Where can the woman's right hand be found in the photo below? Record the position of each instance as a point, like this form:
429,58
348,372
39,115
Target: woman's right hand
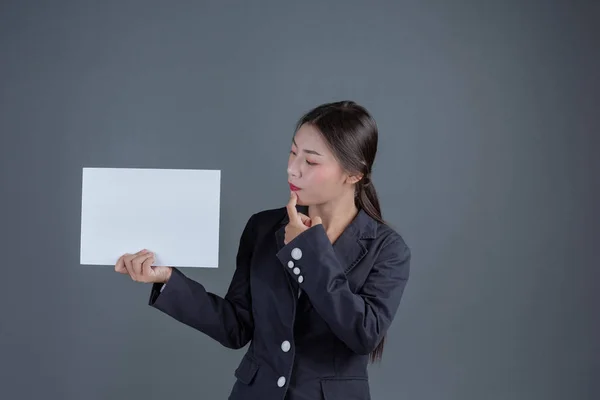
140,269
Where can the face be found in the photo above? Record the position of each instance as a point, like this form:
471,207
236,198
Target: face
313,168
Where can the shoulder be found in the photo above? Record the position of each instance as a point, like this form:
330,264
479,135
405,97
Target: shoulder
390,242
389,235
268,216
266,219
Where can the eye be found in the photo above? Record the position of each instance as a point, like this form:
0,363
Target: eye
308,162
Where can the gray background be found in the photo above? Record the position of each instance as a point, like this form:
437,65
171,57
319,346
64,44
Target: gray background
487,165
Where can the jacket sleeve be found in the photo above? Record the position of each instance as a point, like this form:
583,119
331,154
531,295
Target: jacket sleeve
359,319
228,320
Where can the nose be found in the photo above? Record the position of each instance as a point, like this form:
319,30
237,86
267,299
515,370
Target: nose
293,170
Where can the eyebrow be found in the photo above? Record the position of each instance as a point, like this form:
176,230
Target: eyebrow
306,151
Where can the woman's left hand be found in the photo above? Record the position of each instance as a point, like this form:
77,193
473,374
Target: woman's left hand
298,222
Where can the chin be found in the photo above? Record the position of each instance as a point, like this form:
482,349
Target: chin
301,201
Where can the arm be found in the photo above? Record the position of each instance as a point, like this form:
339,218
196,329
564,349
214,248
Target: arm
228,320
360,320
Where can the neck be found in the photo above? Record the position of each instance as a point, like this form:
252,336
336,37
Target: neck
336,214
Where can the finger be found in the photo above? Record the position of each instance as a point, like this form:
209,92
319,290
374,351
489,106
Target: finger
291,208
316,221
128,267
147,271
129,263
137,264
305,219
120,265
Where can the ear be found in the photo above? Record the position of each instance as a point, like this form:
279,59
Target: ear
354,178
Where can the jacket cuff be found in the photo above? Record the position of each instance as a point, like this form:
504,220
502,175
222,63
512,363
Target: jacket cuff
160,295
308,258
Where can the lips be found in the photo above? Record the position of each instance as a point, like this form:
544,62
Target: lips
294,188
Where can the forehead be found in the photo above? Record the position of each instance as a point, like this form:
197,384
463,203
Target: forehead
308,137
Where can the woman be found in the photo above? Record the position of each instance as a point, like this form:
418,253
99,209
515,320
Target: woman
317,283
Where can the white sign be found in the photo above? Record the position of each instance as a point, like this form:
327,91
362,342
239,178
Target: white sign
171,212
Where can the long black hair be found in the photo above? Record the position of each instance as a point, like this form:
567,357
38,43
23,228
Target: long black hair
351,133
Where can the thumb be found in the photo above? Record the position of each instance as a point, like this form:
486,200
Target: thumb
316,221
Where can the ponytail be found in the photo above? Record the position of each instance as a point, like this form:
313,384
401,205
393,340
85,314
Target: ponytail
366,199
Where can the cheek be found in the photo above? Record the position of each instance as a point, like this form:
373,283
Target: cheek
319,177
322,177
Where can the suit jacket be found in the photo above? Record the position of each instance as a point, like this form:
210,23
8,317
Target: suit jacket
312,311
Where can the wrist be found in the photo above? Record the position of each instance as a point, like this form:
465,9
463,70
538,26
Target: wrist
168,274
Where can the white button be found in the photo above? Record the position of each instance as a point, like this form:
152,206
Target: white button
285,346
296,254
281,381
290,264
300,279
296,270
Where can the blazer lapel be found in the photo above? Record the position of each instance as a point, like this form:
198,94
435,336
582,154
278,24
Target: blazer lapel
350,247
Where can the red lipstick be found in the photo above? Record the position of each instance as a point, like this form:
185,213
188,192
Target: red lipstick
294,188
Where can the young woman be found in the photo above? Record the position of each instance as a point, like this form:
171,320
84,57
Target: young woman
317,283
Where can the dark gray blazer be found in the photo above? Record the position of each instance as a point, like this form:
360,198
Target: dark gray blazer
312,311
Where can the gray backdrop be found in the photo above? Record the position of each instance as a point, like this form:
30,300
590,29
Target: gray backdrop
487,165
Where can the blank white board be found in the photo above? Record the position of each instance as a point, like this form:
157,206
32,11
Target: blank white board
171,212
